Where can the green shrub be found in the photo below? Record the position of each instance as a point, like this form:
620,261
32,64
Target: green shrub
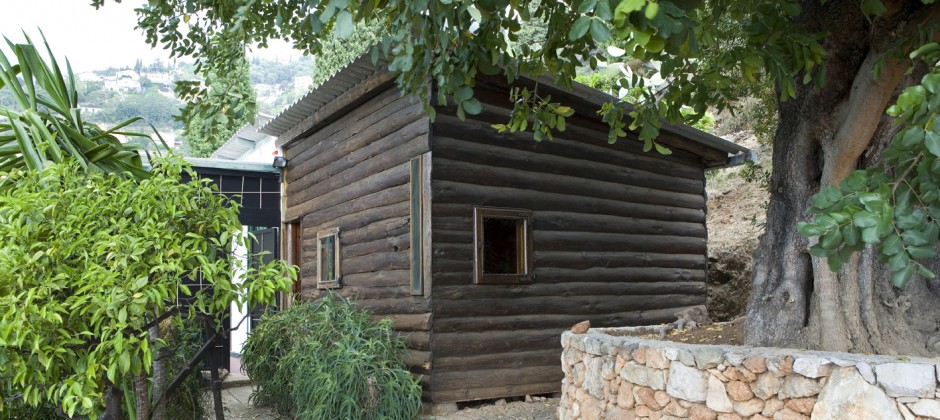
326,359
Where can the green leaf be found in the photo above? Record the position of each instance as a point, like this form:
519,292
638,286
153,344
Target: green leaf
472,106
901,277
587,6
932,141
809,229
344,24
629,6
580,28
873,8
475,13
870,235
651,10
599,31
865,219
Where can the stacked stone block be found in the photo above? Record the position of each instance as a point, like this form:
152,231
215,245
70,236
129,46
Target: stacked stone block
612,375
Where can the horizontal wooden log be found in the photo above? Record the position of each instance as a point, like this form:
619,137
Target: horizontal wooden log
492,342
474,394
388,243
513,360
497,377
376,262
355,220
367,134
358,291
377,107
382,278
410,322
549,305
576,183
388,196
478,195
585,260
416,340
586,164
562,322
396,306
565,290
391,150
418,361
457,273
547,240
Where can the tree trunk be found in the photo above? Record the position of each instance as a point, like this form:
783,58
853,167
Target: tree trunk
159,371
822,136
114,401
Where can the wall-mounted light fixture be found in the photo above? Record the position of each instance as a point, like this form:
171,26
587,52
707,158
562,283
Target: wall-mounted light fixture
279,162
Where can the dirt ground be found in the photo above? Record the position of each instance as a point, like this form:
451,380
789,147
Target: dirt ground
237,407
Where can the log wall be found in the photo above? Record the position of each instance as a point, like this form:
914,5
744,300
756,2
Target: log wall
353,174
619,239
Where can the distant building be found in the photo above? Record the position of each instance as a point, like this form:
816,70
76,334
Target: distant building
123,81
89,77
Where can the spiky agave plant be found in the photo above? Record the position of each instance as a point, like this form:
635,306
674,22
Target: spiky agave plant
45,124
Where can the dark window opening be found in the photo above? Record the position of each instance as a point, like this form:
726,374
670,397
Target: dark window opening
503,246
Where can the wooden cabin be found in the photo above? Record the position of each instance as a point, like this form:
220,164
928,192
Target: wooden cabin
482,248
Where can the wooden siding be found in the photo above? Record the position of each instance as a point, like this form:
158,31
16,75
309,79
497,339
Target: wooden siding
353,174
619,239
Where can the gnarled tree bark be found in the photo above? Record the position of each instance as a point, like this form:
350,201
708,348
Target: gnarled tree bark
822,135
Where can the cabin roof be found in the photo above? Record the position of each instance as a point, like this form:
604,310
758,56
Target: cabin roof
298,117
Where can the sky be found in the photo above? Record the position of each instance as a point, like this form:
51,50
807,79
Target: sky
93,39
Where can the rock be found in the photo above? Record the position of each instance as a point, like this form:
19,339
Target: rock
749,408
905,412
907,379
581,327
797,386
644,376
788,414
646,396
685,357
802,405
765,386
716,396
686,383
656,359
594,379
701,412
642,411
625,398
707,357
739,374
759,417
926,408
729,416
662,398
501,401
443,409
780,366
756,364
771,406
639,355
734,359
812,367
592,410
866,371
739,391
617,413
618,364
674,409
528,398
848,396
671,353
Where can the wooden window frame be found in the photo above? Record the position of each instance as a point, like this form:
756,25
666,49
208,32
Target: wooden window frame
335,283
525,251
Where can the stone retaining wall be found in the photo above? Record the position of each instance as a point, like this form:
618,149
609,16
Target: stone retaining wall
609,374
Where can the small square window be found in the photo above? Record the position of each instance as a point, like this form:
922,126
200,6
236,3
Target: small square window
502,246
328,262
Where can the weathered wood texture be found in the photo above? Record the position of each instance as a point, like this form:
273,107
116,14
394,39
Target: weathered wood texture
619,239
352,174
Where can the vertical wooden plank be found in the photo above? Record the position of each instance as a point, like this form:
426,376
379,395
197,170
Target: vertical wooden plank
417,286
426,222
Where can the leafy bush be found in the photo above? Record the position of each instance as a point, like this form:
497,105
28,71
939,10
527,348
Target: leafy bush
326,359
